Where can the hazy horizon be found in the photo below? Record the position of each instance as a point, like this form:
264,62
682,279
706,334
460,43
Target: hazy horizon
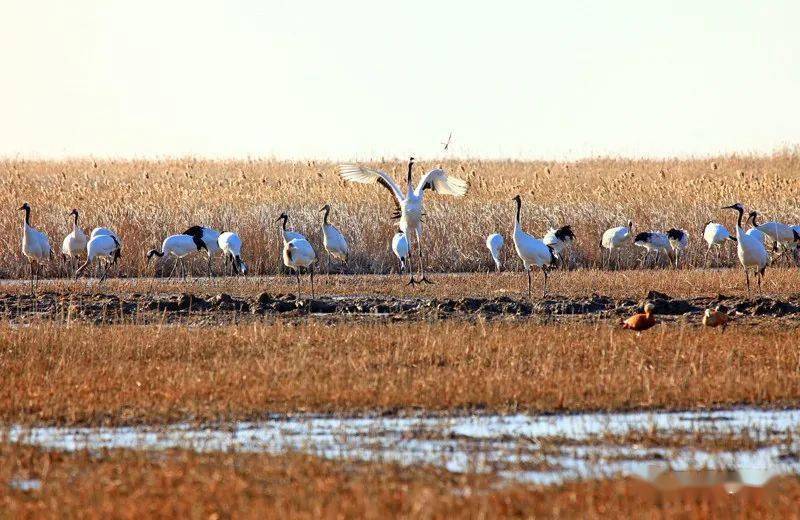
356,81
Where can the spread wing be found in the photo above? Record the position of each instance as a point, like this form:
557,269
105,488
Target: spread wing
438,181
364,175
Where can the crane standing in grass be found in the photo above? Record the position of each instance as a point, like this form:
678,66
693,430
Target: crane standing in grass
74,244
678,241
210,237
495,243
400,249
652,241
531,250
751,251
104,249
614,238
179,246
35,245
333,241
297,253
408,205
231,246
715,235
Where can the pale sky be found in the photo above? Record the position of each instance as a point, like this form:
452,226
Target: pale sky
355,80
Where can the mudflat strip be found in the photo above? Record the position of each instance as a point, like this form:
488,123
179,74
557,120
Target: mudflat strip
223,308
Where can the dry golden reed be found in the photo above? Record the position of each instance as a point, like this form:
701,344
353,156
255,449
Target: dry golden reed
147,200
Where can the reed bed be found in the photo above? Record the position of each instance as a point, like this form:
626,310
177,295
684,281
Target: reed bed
136,374
175,483
144,201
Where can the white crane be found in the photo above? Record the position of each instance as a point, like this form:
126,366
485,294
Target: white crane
751,250
231,246
495,243
210,238
35,245
652,241
614,238
408,205
678,241
561,240
103,248
297,253
400,248
178,246
333,240
531,250
104,231
74,244
715,235
778,232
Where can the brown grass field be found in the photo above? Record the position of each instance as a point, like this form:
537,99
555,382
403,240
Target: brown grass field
160,371
145,201
130,484
136,374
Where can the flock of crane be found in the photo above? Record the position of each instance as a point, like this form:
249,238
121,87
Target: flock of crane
104,246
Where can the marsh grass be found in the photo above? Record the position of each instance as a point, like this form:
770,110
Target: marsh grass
147,200
175,483
134,374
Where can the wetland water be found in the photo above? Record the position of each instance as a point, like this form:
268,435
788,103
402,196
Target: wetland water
542,449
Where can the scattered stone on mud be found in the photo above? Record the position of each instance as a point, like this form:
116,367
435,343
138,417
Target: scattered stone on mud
223,307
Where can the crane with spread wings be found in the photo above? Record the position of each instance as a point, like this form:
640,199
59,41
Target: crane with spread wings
408,205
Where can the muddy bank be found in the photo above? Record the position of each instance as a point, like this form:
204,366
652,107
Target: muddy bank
224,308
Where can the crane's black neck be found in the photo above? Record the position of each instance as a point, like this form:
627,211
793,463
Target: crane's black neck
741,214
519,209
325,217
76,218
753,217
27,215
410,167
285,219
198,242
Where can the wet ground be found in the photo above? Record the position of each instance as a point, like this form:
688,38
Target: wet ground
543,449
224,308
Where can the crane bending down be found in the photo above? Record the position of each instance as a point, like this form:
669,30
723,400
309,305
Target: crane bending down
408,205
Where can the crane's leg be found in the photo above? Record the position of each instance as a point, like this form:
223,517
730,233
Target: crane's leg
328,264
297,274
174,266
105,272
311,271
424,278
529,283
409,266
705,259
747,279
30,265
544,285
